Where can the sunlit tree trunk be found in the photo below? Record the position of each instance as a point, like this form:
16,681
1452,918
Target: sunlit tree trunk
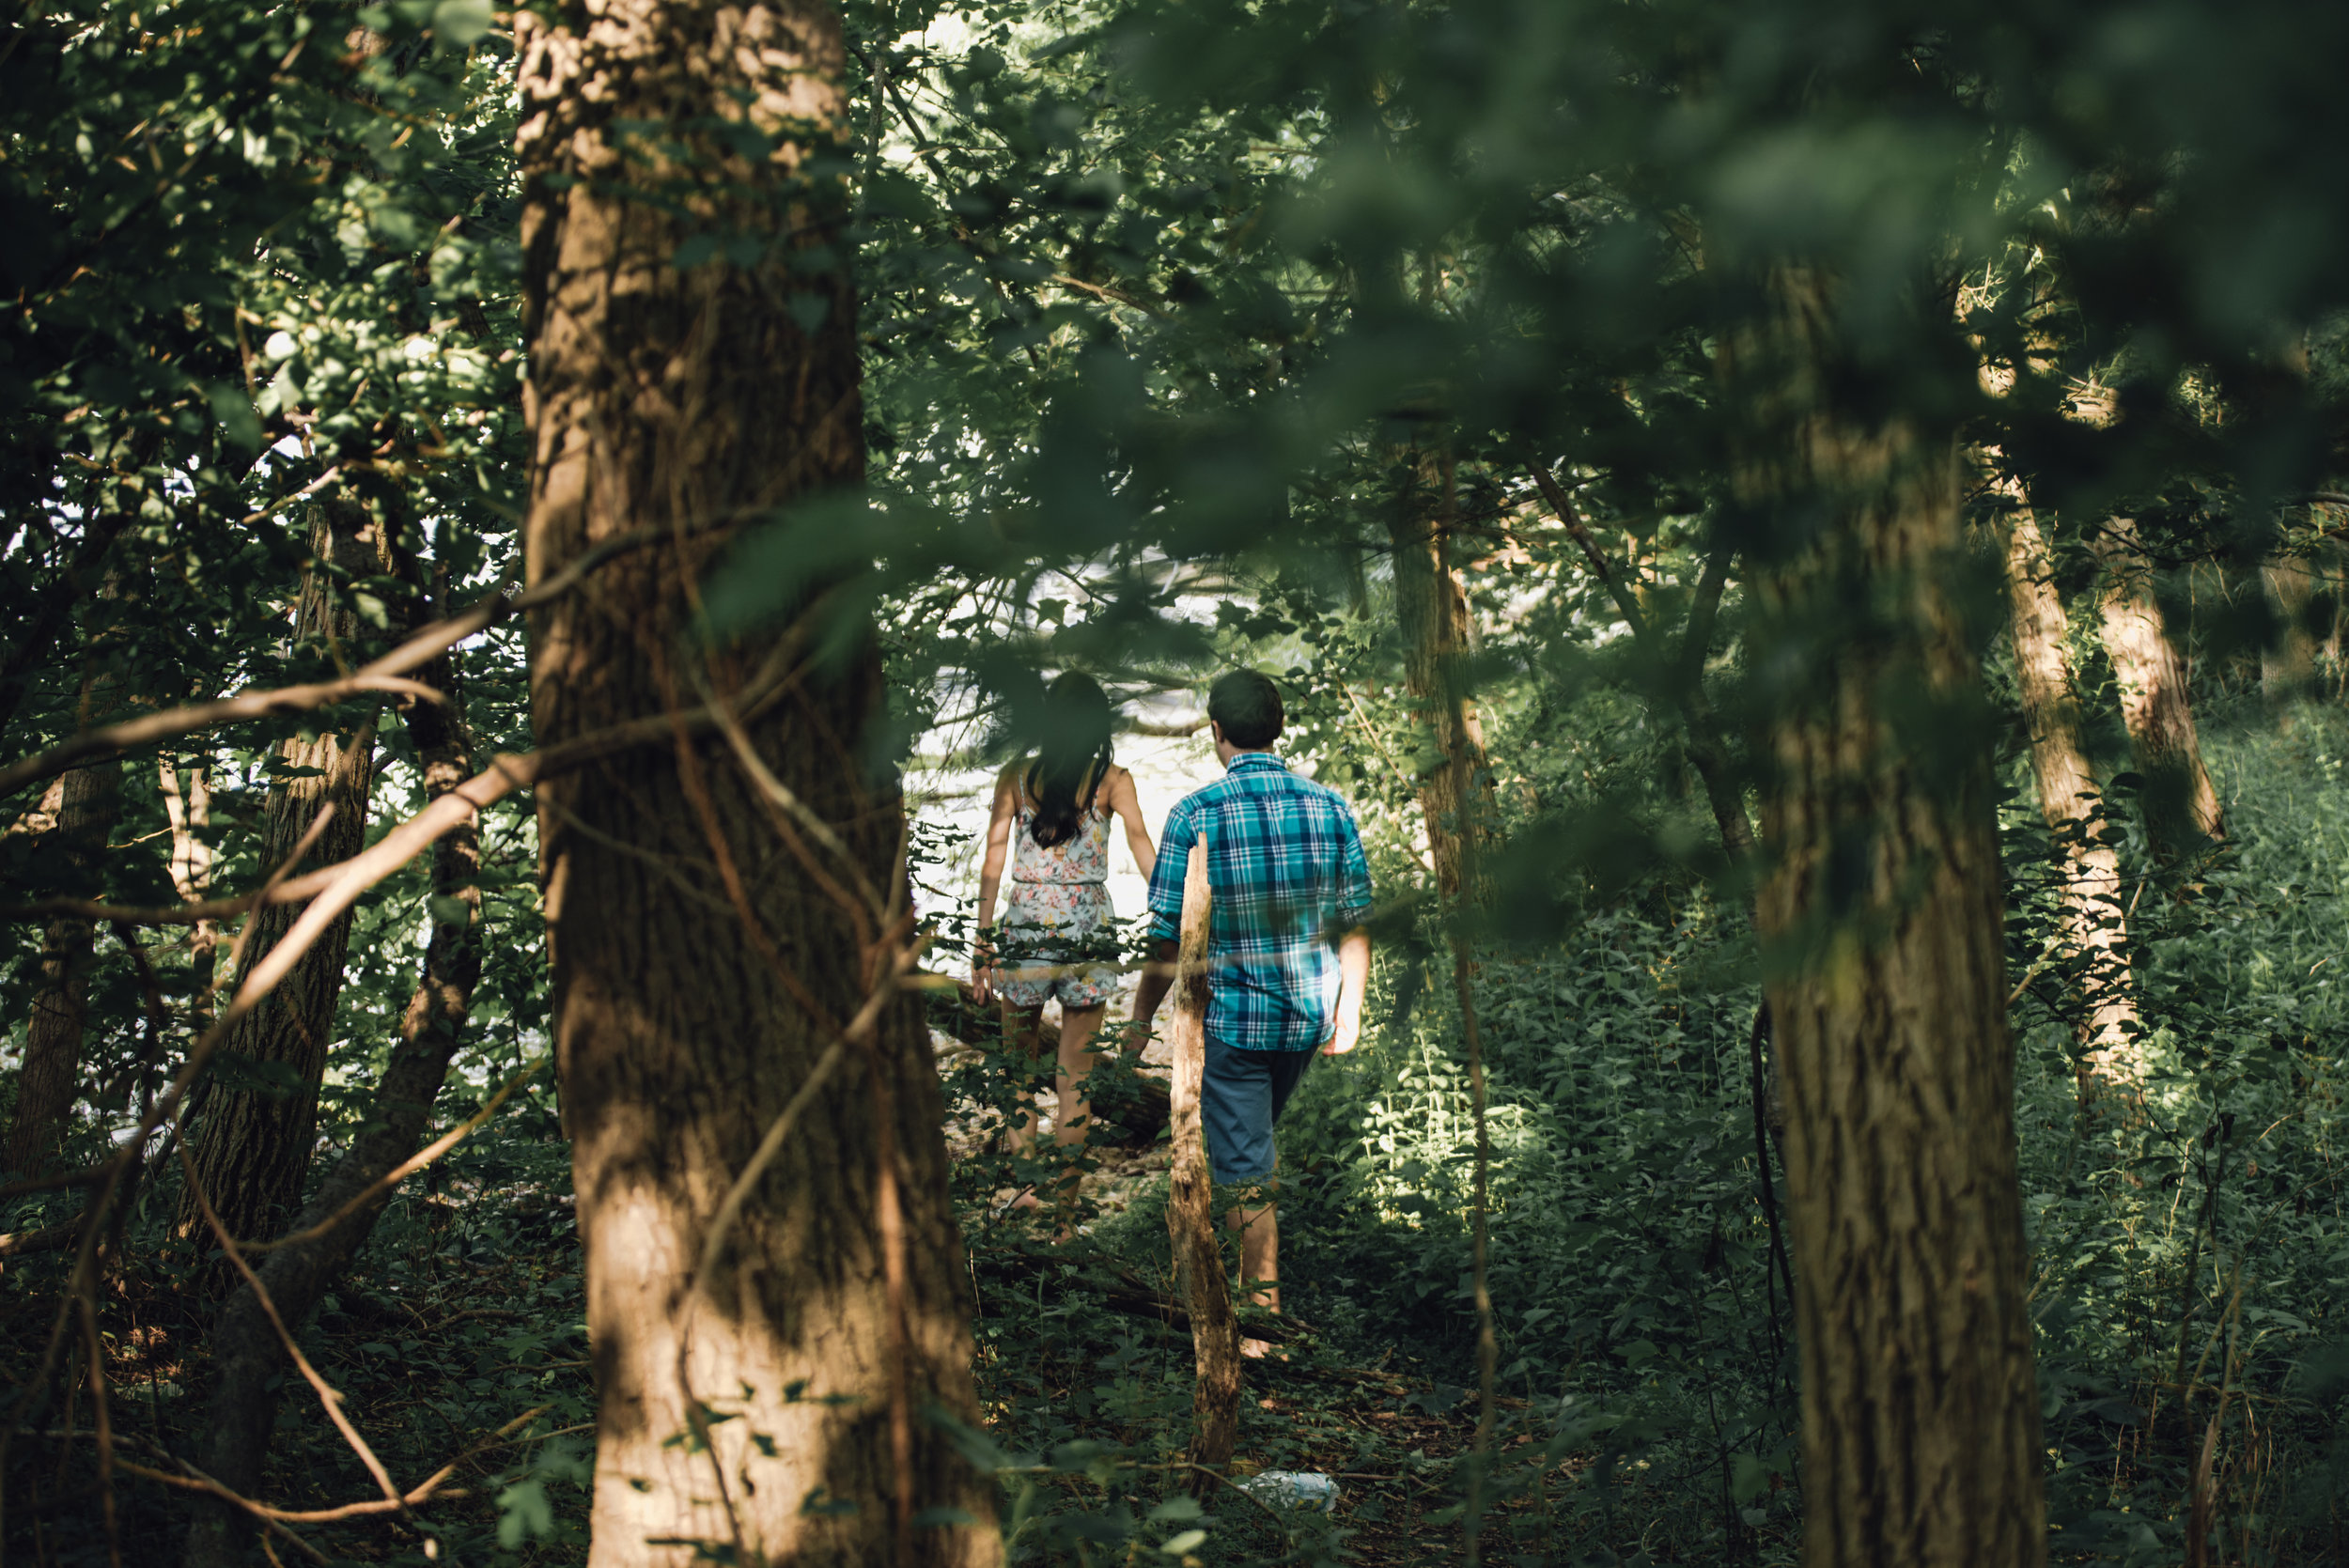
2288,662
252,1145
2333,613
2095,928
89,802
248,1358
2182,808
1880,919
188,807
682,401
1434,618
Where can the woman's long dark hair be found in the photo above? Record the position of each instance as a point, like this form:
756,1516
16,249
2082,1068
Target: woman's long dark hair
1079,724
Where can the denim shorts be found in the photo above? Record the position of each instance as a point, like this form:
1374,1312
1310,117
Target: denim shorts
1241,1096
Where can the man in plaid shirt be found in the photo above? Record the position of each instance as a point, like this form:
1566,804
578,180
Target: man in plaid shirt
1289,951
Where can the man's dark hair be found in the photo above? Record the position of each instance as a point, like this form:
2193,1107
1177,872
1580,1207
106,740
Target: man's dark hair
1247,706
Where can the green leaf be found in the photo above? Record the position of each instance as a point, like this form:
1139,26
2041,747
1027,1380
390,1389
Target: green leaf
460,23
939,1519
240,426
809,311
523,1510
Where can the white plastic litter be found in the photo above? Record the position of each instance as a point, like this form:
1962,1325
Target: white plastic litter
1293,1489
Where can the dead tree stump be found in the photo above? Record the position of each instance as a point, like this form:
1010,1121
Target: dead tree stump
1199,1272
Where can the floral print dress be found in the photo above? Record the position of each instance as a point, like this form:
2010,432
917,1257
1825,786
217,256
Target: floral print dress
1058,908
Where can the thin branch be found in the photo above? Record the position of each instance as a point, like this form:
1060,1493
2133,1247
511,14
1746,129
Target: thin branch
796,809
49,1239
330,1400
88,1175
769,1146
1696,642
1112,296
1561,505
1179,729
408,1168
131,914
303,494
505,774
197,1480
276,879
94,1348
110,1176
380,675
115,740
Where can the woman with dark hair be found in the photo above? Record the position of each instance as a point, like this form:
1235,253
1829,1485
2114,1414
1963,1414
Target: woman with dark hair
1052,820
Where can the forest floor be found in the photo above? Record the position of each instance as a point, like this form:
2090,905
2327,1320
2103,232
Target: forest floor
1391,1440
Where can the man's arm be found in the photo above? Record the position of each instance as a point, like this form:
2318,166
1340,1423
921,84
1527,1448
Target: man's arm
1353,980
1354,947
1156,980
1166,910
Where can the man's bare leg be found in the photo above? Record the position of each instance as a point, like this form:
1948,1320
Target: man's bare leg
1259,1230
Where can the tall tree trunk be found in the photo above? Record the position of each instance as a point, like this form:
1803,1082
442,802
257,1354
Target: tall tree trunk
2093,919
2181,807
252,1145
2288,662
33,640
89,802
188,808
1879,919
1433,613
248,1358
682,401
2333,611
1200,1275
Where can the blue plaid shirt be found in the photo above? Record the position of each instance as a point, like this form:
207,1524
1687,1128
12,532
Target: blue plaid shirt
1284,861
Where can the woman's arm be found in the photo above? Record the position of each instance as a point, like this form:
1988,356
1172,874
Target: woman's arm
990,882
1125,800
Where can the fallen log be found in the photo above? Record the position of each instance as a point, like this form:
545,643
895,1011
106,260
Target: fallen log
1121,1290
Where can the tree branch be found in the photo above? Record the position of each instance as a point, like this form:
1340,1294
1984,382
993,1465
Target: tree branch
383,675
1563,507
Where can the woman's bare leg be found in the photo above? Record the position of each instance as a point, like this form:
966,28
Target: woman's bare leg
1022,1030
1077,1028
1077,1025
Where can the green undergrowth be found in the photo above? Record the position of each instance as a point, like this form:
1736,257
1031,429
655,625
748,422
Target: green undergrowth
2189,1256
2188,1252
2191,1248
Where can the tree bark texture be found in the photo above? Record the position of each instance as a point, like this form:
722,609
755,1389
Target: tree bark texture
188,807
2288,662
686,400
248,1358
2094,925
35,637
252,1146
1880,922
1200,1281
1434,617
1708,743
2181,807
89,801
